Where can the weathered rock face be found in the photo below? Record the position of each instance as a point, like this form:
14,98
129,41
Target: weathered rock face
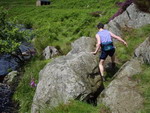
143,51
82,45
68,77
121,96
10,79
132,18
50,52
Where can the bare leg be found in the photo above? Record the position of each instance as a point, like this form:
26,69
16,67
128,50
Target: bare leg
113,61
101,67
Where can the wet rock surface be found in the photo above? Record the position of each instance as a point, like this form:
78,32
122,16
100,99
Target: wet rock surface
12,62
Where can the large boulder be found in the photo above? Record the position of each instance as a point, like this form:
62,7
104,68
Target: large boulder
143,51
82,45
132,17
73,76
121,96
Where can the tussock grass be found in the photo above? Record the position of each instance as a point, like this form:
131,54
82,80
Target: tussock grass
75,106
133,37
63,21
144,87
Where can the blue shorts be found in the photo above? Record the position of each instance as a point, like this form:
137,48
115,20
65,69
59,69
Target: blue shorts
104,54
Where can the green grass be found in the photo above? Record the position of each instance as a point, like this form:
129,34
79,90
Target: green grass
134,37
144,87
62,22
24,92
58,25
75,106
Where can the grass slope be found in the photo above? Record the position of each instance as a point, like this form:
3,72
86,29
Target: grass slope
62,22
75,106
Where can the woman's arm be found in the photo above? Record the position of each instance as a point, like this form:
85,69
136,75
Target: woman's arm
118,38
97,44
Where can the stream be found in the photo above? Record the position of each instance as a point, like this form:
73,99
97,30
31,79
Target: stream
10,73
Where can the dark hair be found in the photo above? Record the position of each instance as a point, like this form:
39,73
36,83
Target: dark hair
100,25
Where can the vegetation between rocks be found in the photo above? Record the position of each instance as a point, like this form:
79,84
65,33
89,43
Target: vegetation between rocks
75,106
143,79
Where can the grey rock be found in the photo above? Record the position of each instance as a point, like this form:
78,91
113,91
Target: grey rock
50,52
143,51
132,17
68,77
84,44
137,18
121,96
114,27
10,78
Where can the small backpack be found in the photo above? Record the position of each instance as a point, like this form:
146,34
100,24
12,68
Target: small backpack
107,46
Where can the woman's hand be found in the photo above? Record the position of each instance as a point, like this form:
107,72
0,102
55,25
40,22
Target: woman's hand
94,53
125,43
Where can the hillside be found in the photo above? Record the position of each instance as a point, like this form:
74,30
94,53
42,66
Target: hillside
58,25
74,17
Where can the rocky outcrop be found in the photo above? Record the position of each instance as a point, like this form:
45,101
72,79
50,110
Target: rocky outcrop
143,51
82,45
74,76
131,18
68,77
121,96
